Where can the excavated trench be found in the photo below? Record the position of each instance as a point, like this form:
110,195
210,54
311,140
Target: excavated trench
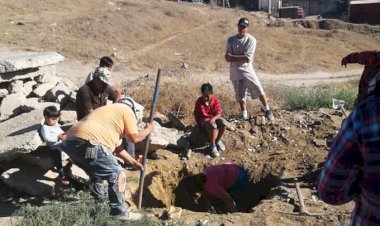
176,188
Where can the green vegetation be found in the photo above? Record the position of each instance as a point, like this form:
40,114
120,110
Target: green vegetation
86,212
313,98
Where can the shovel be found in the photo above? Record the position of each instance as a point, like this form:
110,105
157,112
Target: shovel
339,104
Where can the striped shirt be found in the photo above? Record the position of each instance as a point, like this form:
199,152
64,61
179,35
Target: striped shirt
352,169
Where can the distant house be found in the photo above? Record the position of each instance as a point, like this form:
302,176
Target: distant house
325,8
367,11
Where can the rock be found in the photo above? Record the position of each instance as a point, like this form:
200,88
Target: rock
34,103
16,86
20,135
176,122
42,89
320,143
61,92
78,174
40,158
29,179
68,117
162,138
198,137
28,87
47,71
10,105
160,118
16,61
3,92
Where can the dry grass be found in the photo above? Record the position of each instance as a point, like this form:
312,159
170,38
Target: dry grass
149,34
179,95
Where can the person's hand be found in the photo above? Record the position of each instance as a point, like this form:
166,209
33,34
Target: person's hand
228,57
62,136
344,62
212,121
149,127
138,166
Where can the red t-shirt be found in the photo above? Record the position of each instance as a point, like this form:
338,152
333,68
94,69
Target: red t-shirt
206,110
219,179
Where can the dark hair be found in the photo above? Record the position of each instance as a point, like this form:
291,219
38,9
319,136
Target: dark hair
51,112
106,62
206,87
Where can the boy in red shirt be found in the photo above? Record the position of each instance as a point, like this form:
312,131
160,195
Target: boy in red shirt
208,116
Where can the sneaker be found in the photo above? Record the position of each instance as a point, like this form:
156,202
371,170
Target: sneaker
269,115
214,151
245,117
220,145
128,216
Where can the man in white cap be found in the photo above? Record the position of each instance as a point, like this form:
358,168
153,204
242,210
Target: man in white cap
95,93
239,53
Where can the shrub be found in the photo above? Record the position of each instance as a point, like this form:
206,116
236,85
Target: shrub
317,97
84,213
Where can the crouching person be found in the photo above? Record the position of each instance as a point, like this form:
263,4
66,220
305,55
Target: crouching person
208,116
92,143
222,184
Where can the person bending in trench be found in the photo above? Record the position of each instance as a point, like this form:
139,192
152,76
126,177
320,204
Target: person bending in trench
223,184
92,143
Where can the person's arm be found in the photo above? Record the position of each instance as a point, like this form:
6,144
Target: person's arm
228,202
246,57
84,100
217,110
340,176
236,58
365,57
114,94
123,154
138,137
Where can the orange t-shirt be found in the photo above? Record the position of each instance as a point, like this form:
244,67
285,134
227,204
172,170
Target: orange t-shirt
107,125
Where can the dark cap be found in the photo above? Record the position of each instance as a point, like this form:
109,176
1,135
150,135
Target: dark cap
243,22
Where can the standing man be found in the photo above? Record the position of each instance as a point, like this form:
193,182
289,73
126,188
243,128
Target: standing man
239,53
92,143
95,93
351,171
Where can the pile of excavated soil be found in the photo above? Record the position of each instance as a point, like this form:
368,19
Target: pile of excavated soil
275,154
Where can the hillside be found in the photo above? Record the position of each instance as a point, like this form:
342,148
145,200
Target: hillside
148,34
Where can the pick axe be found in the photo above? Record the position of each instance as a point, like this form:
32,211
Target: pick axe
339,104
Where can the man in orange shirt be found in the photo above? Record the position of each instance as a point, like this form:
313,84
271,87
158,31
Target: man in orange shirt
92,143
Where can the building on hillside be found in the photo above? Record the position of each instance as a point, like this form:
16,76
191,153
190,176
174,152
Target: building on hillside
367,11
325,8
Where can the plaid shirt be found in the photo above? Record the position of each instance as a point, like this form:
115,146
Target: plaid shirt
352,168
371,60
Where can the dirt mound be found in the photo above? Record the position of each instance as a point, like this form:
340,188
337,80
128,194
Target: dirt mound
275,155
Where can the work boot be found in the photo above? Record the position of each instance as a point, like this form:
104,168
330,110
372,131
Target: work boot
128,216
220,145
269,115
214,151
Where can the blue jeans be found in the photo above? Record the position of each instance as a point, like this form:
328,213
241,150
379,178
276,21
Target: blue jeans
130,147
103,166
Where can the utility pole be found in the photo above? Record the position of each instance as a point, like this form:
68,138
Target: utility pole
269,8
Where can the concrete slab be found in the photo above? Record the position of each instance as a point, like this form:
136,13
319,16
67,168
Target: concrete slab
10,105
30,179
20,135
38,73
20,60
33,103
